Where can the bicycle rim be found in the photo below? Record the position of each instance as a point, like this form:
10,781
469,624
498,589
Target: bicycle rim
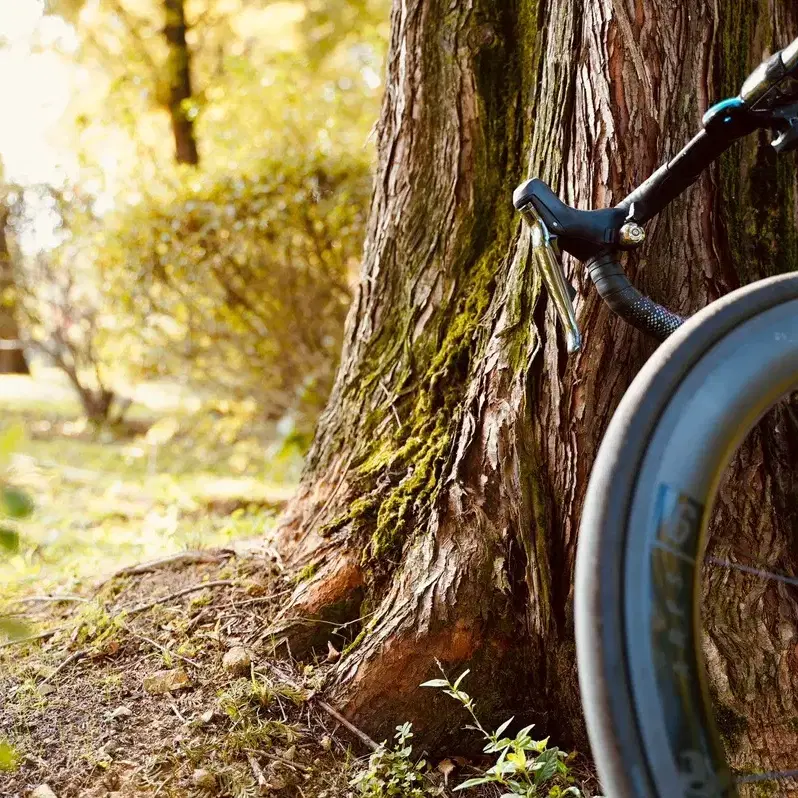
642,535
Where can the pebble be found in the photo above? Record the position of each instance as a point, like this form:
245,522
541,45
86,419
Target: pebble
203,779
43,791
237,661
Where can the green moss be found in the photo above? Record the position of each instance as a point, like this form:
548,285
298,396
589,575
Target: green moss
407,441
355,643
730,725
308,572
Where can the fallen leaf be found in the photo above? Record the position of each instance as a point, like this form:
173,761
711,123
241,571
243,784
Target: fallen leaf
166,681
446,767
333,654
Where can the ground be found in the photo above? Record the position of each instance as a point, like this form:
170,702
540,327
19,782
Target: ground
194,500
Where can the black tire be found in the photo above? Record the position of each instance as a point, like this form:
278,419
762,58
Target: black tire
641,541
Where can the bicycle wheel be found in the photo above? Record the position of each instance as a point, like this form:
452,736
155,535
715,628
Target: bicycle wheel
642,536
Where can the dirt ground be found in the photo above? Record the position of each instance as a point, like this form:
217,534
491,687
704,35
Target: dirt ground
83,716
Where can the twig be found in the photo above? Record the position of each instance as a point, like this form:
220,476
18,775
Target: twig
184,557
160,647
344,722
256,770
65,597
40,636
171,596
163,784
197,618
70,659
177,712
362,736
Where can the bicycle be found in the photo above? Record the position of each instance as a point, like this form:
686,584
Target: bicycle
642,535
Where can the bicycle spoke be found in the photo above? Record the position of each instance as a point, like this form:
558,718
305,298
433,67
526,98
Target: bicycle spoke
748,569
775,775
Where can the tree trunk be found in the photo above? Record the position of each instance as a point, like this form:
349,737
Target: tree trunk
179,74
12,357
441,499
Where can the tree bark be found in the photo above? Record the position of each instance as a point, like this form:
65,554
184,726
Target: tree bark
179,74
12,356
441,499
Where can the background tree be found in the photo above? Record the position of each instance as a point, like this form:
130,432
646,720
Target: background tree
236,276
12,356
439,508
178,67
67,316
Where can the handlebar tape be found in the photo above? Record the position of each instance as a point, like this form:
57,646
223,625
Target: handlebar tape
627,302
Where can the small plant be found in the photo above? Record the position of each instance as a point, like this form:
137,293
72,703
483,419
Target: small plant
9,757
392,771
524,766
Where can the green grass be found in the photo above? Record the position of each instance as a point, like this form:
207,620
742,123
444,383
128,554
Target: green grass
105,500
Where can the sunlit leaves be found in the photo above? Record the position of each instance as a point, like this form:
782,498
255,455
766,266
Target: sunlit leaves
14,503
244,281
9,539
68,9
237,276
10,439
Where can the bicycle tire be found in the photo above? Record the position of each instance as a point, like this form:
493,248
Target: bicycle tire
651,492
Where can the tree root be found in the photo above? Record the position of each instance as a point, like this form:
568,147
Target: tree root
325,605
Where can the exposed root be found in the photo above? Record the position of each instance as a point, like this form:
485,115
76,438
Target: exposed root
322,606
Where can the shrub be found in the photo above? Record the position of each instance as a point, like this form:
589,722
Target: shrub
524,766
393,772
242,283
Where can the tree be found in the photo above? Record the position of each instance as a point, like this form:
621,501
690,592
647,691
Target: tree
178,67
438,513
124,42
67,315
12,356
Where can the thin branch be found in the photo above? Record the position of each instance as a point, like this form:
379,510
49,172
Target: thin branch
172,596
68,661
183,557
352,728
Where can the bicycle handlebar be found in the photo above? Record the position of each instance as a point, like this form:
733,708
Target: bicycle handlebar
768,99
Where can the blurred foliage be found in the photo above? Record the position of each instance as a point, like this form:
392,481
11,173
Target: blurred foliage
15,505
236,277
241,284
184,477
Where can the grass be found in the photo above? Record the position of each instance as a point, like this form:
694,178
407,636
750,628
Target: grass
175,478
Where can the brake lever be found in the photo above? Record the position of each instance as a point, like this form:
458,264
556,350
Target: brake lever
548,264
